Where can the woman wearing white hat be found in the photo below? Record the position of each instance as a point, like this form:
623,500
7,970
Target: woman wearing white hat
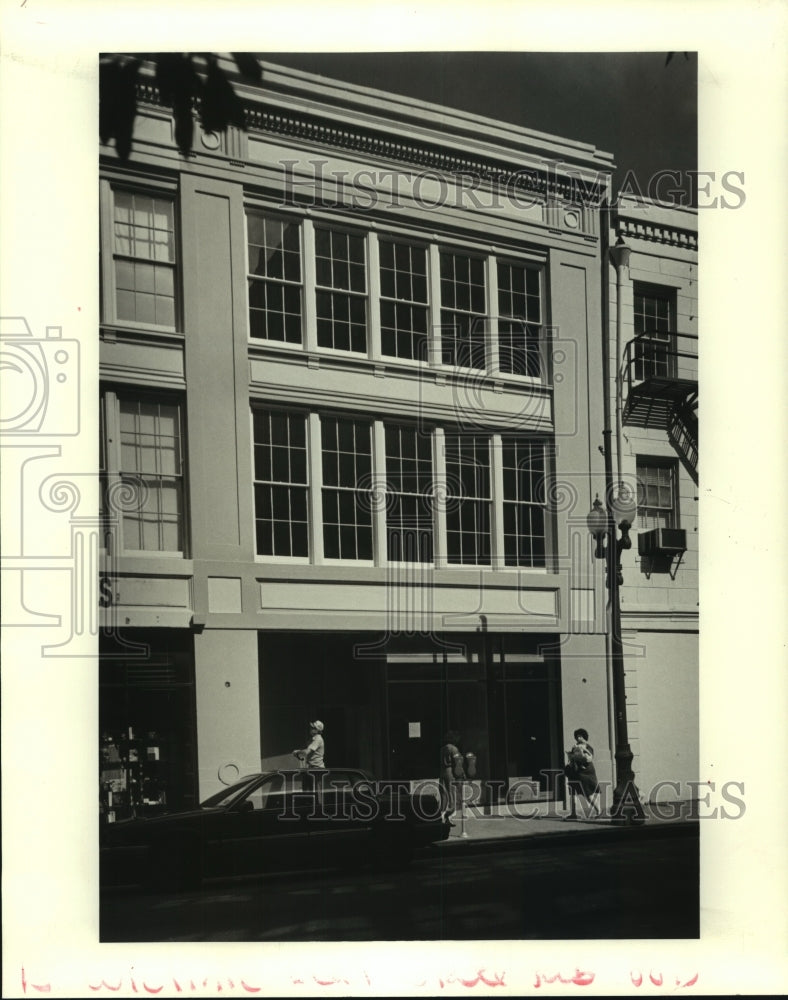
315,750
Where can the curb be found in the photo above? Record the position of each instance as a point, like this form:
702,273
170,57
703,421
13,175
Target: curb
539,839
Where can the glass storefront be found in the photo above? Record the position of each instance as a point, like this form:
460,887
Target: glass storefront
387,702
147,736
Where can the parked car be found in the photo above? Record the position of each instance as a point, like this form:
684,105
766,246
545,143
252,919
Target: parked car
274,821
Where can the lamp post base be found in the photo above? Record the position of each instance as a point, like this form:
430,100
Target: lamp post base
627,807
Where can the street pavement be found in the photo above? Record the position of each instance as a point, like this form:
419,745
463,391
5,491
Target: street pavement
478,826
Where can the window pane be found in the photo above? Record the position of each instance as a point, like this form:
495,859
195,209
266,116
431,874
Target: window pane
150,461
274,253
524,503
280,469
346,446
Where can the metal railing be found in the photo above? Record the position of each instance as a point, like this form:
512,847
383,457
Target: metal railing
659,356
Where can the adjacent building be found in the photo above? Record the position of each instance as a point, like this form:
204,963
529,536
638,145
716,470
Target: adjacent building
352,400
653,295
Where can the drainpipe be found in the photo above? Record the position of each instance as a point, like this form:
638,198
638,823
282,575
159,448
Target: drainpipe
619,254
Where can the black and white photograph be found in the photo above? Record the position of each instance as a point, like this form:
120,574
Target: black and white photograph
400,461
354,513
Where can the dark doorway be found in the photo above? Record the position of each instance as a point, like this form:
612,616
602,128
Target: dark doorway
147,724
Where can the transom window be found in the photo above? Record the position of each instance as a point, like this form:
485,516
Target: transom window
341,276
151,469
520,316
524,502
469,505
274,251
347,481
656,494
403,300
409,478
281,484
463,310
144,258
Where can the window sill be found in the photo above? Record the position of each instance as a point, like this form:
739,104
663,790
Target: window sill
395,366
111,330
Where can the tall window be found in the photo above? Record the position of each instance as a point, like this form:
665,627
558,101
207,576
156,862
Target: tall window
524,503
654,312
347,479
469,501
409,479
403,300
657,503
144,258
520,316
274,250
341,277
151,467
463,311
281,484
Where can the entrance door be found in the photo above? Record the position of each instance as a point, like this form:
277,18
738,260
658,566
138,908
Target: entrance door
417,722
422,712
531,724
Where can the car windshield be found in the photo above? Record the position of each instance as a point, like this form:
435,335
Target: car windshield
229,794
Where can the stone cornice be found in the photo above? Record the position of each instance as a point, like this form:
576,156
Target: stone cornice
655,232
545,183
423,155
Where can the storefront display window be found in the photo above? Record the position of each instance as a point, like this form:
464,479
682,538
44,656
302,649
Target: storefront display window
146,725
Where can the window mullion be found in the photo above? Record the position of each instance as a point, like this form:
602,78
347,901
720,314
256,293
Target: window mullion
373,296
491,354
440,545
379,527
497,555
309,272
434,349
315,489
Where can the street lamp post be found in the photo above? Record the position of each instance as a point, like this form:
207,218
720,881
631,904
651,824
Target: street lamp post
627,807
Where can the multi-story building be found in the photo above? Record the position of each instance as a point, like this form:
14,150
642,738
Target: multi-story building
653,323
352,405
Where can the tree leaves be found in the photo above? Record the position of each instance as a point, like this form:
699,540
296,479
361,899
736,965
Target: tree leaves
220,105
179,86
118,102
187,82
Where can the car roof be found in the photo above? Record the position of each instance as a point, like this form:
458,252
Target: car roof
304,770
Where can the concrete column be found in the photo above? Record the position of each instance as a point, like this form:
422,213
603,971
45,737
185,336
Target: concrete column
228,707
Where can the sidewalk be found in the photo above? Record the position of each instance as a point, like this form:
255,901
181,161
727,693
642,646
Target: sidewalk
525,821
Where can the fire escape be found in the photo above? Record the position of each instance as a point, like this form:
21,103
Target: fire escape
659,375
659,379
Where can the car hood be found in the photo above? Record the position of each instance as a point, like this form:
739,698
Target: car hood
141,826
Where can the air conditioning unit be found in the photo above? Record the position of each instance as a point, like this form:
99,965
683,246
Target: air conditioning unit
662,541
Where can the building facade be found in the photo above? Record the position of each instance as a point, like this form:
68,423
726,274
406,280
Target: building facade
352,400
653,343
